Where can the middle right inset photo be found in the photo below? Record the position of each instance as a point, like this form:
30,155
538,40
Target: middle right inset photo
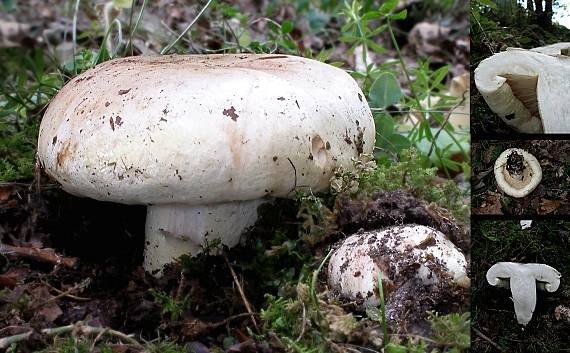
521,177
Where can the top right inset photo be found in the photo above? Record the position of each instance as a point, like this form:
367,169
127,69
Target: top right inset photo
520,57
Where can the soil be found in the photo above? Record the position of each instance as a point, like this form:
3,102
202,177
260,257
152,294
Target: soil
109,288
549,198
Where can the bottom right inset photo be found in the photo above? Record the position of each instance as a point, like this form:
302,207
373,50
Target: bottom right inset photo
520,285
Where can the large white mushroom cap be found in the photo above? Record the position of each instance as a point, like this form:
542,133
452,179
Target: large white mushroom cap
530,176
528,89
203,129
400,254
202,139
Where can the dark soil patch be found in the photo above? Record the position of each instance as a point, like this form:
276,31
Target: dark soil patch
389,208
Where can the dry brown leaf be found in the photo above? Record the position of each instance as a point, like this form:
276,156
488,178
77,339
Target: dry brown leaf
491,205
549,206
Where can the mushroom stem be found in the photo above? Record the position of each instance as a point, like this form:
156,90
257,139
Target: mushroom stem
523,280
173,230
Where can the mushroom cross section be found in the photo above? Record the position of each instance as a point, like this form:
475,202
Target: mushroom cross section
528,89
523,281
202,140
517,172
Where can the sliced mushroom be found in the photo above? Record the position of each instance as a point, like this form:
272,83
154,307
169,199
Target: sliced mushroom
528,89
517,172
523,281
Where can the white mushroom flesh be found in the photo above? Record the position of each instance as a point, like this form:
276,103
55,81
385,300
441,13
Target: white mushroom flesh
523,280
528,89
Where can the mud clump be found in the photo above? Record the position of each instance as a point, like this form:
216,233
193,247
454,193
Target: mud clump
388,208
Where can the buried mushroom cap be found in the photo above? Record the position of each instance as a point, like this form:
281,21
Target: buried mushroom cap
202,139
523,281
403,255
528,89
517,172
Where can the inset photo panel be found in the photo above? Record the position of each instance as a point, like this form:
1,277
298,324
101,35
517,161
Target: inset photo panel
522,177
520,66
520,289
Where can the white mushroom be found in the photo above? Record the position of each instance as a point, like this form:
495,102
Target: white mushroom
525,224
517,172
202,140
528,89
400,254
523,280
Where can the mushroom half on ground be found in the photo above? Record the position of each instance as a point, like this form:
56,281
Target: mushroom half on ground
528,89
523,281
202,140
408,258
517,172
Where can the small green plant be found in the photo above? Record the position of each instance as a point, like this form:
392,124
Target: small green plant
452,331
172,307
75,345
411,172
381,86
165,346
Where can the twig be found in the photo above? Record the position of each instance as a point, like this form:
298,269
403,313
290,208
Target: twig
242,293
490,341
78,328
228,319
67,293
81,285
40,255
171,45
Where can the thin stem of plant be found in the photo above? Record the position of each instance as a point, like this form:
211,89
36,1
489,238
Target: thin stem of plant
171,45
403,64
133,30
242,294
74,34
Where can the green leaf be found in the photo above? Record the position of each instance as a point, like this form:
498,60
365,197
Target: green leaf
489,3
123,4
385,91
384,124
400,15
286,27
395,348
388,6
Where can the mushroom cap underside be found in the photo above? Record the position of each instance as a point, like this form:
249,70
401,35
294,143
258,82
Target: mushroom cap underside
202,129
527,89
531,176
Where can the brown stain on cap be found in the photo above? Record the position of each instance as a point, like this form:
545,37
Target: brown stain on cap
65,153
